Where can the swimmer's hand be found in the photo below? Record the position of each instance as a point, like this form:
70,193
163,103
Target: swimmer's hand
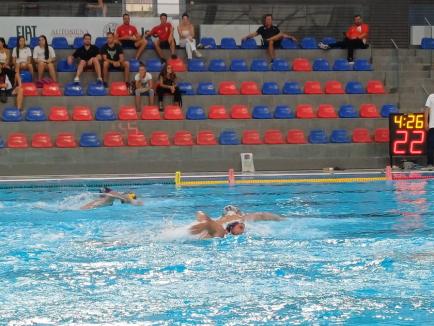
262,216
206,227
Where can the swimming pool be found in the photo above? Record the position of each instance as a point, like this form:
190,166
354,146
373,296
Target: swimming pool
347,254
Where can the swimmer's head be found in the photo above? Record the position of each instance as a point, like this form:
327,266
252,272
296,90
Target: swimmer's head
231,210
235,228
132,196
105,190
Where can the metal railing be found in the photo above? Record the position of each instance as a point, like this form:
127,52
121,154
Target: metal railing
397,63
431,51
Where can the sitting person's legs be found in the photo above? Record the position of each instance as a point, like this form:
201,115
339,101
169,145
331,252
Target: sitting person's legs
140,92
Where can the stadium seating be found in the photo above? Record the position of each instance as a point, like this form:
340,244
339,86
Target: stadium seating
73,89
153,65
63,66
82,113
229,137
292,88
301,64
66,140
238,65
388,109
318,136
59,42
259,65
369,111
251,137
326,111
308,43
217,65
362,65
119,89
206,138
217,112
150,112
296,136
113,139
375,87
228,43
348,111
381,135
270,88
334,87
288,44
320,64
313,87
340,136
249,88
96,89
58,113
206,88
196,65
41,140
12,42
137,139
208,42
261,112
304,111
52,89
89,139
160,138
228,88
196,113
127,112
427,43
173,112
361,135
280,65
283,112
177,65
249,43
186,88
354,87
17,140
29,89
11,114
100,41
105,113
183,138
78,42
342,65
328,40
35,114
134,65
26,76
240,111
273,137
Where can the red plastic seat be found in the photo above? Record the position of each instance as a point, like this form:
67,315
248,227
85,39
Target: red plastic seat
29,89
304,111
206,137
375,87
119,89
249,88
17,140
381,135
326,111
160,138
41,140
177,65
228,88
361,135
301,64
173,112
183,138
137,139
334,87
217,112
296,136
369,111
113,139
273,137
240,111
58,113
127,112
251,137
82,113
312,87
66,140
150,112
52,89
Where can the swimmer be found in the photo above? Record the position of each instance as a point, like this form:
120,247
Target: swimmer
231,222
108,197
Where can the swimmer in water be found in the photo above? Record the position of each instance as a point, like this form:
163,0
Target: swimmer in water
108,197
231,222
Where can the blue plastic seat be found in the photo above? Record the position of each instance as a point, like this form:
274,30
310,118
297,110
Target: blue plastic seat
270,88
208,42
89,139
206,88
309,43
329,40
362,65
26,77
427,43
153,65
186,88
11,114
280,65
342,65
217,65
354,87
63,66
239,65
196,113
100,41
261,112
150,44
320,64
249,43
259,65
35,114
196,65
34,42
348,111
105,113
288,44
318,136
229,137
292,88
73,89
59,42
12,42
2,143
96,89
283,112
78,42
228,43
134,65
340,136
387,109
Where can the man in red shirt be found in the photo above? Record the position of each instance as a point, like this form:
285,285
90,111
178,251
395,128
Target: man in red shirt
356,37
163,37
128,36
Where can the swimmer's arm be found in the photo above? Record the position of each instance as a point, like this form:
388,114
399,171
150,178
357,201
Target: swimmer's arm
207,227
262,216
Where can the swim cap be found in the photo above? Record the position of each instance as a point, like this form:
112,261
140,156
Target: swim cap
231,210
132,195
230,226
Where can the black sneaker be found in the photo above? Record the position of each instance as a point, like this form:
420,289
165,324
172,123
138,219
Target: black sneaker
161,107
3,96
163,61
105,84
174,56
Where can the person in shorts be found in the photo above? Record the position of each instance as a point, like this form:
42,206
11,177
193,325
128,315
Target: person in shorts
7,89
113,57
143,86
44,57
128,36
163,38
22,57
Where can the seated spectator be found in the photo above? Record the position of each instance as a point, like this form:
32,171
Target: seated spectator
271,36
5,59
167,85
163,37
128,36
89,57
143,86
356,37
186,37
7,89
113,57
22,57
98,9
44,57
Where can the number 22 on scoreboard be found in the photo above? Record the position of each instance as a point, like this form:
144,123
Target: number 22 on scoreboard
419,140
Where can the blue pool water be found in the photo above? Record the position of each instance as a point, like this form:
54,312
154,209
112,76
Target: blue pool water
347,254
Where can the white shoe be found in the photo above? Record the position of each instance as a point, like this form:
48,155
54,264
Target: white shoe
323,46
76,80
198,54
427,168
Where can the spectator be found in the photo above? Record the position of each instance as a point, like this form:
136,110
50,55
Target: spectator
8,89
186,37
167,85
356,37
113,57
99,8
89,58
271,36
163,38
22,57
5,54
44,57
128,36
429,126
143,86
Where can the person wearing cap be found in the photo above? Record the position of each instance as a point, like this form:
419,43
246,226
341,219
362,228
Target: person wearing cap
108,197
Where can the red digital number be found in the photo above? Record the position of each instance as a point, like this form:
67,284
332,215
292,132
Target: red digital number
421,134
400,142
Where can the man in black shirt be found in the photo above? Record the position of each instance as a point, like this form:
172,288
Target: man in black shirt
271,35
113,57
89,58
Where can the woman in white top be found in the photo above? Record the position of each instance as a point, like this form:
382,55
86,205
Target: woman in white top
22,57
186,37
44,57
5,54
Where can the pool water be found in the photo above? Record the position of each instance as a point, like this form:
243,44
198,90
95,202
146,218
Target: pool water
357,253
